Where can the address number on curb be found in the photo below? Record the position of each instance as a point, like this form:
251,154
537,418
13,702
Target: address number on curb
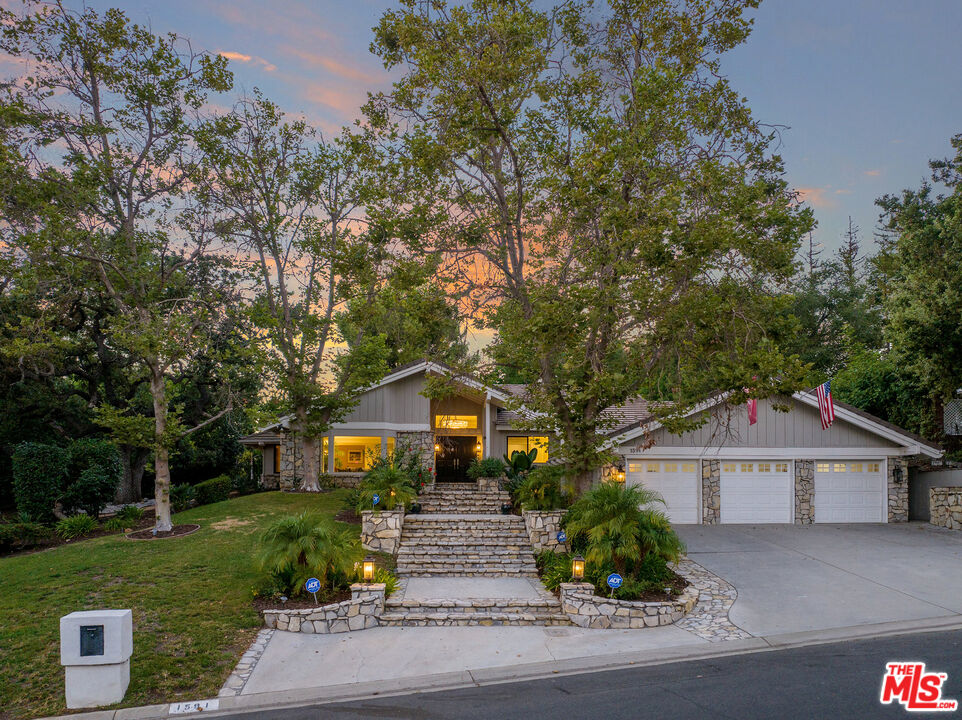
182,708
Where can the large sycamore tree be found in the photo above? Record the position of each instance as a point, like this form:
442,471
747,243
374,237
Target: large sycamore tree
612,207
107,112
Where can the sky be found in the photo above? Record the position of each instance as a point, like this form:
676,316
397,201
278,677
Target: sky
865,91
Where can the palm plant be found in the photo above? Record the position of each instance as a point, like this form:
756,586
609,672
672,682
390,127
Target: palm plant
391,484
297,547
619,525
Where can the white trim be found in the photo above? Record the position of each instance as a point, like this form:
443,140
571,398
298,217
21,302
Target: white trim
779,453
885,493
397,427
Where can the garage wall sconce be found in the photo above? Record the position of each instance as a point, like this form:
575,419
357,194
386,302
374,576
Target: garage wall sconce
897,473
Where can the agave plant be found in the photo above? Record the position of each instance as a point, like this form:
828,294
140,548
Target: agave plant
297,547
620,524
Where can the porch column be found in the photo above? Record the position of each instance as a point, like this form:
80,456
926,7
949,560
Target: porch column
486,431
383,444
330,452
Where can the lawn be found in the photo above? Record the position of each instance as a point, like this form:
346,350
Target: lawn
190,596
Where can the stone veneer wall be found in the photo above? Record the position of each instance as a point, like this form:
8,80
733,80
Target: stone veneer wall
381,531
710,492
419,440
489,484
292,461
585,609
543,527
945,507
359,613
898,493
804,492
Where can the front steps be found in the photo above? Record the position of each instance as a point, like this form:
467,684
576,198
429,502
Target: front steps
462,499
479,611
465,545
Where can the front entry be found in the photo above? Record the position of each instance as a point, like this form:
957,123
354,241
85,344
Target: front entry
453,454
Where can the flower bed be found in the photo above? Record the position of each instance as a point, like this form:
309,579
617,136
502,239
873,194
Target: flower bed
585,609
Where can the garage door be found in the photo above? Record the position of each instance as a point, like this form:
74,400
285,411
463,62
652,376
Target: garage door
849,491
675,480
755,491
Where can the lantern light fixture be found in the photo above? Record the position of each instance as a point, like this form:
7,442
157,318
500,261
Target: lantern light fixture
577,568
368,569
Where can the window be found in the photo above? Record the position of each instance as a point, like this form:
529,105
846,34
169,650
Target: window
855,467
748,467
671,467
526,443
873,467
277,459
729,467
839,467
634,467
688,467
823,467
764,467
355,454
653,467
781,467
456,422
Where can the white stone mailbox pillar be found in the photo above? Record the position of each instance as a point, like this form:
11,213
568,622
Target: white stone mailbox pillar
95,650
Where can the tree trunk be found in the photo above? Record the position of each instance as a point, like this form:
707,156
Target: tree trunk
161,454
311,468
134,460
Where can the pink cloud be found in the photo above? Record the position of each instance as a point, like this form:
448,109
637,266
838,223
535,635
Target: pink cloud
817,197
873,173
843,192
241,57
334,67
346,102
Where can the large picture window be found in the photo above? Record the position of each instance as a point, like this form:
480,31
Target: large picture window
355,453
524,443
456,422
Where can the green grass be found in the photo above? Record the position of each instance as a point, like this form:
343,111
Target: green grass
190,598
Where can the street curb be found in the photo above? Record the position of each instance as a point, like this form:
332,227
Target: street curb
528,671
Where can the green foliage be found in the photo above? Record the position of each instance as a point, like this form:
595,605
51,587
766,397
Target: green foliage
543,489
352,499
517,468
490,467
22,535
130,514
391,484
95,473
214,490
554,568
182,497
616,525
39,474
117,524
408,460
381,575
297,547
76,526
651,574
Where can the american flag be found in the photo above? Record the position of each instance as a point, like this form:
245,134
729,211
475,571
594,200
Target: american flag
826,408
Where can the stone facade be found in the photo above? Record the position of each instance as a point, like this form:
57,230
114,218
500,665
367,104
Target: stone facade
804,492
422,441
359,613
898,502
489,484
381,531
710,492
945,507
543,527
587,610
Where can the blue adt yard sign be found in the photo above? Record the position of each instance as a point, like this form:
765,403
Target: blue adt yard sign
615,580
312,585
562,536
376,499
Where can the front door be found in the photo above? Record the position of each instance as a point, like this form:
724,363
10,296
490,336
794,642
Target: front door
455,453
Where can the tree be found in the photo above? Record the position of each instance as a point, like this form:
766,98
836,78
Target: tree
109,114
612,204
920,268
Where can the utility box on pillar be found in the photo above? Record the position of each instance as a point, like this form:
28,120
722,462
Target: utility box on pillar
95,650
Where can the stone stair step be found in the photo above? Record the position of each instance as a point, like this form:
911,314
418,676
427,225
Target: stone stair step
453,619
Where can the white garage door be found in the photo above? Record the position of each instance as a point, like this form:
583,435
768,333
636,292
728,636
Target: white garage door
675,480
754,491
848,491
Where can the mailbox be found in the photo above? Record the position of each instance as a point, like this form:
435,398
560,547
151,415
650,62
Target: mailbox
95,650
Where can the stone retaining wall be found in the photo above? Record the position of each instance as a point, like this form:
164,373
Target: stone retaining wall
585,609
381,531
898,500
945,507
543,527
359,613
489,484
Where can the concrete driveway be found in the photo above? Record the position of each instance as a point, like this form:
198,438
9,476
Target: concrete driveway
795,578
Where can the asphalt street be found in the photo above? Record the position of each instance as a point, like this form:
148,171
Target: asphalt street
839,680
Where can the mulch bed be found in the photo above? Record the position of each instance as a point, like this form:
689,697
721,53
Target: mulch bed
299,603
348,516
147,521
677,584
176,531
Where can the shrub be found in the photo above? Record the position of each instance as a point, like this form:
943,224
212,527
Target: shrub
182,497
214,490
39,475
542,489
391,484
381,575
409,461
117,524
555,568
487,468
22,535
76,526
131,514
245,476
95,472
297,547
352,499
616,526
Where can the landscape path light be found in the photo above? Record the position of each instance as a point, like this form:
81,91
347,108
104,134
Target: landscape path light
368,569
577,568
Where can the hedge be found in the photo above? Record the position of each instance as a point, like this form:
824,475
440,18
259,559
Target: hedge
39,475
213,490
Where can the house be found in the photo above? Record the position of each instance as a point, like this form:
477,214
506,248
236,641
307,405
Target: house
783,469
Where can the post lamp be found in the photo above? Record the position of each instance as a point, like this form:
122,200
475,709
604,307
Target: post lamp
368,569
577,568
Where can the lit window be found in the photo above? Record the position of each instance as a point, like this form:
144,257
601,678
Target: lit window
277,458
781,467
456,422
634,467
856,467
526,443
728,467
823,467
873,467
839,467
688,467
652,467
748,467
671,467
355,454
764,467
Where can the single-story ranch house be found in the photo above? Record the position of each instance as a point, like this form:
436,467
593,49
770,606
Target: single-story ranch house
783,469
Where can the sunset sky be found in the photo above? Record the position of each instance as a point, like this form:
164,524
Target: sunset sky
869,89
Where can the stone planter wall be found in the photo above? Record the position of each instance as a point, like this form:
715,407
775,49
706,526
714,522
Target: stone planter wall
381,531
359,613
710,492
585,609
543,527
945,507
804,492
489,484
898,492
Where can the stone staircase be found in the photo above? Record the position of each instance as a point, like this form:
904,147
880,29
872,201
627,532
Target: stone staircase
465,545
463,499
477,611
